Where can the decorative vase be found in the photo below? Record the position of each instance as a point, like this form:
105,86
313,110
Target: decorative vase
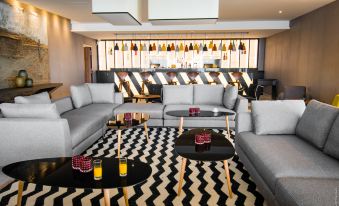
20,81
23,73
29,82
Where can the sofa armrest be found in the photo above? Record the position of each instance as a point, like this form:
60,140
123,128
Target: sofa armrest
118,98
243,122
26,138
241,105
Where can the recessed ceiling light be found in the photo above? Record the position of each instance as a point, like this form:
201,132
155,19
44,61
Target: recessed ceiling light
280,12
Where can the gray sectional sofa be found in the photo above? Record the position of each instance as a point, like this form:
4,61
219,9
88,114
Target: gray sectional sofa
291,154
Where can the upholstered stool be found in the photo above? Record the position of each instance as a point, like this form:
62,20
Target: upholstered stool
214,76
171,76
144,77
192,76
123,82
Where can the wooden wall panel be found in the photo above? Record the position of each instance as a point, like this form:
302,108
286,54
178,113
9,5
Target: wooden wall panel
308,53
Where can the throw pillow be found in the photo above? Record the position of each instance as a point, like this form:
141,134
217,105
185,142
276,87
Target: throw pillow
81,96
315,124
208,94
102,93
332,143
41,98
276,117
177,94
230,96
43,111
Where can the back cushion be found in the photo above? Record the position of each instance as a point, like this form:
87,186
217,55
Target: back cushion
41,98
208,94
44,111
332,143
177,94
315,124
81,95
102,93
64,105
276,117
230,96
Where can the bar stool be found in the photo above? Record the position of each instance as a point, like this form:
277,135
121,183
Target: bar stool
144,77
214,76
237,76
122,76
192,76
171,76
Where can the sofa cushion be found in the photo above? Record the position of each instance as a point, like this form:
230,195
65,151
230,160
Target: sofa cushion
332,143
155,110
230,96
41,98
276,117
202,107
181,94
42,111
278,156
81,96
102,93
64,105
316,122
208,94
307,191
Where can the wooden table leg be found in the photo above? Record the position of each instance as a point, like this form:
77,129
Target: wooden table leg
228,178
107,197
228,128
181,124
182,172
124,189
146,131
20,190
119,142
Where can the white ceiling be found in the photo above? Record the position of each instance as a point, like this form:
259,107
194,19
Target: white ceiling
79,11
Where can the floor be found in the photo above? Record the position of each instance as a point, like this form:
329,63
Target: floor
204,184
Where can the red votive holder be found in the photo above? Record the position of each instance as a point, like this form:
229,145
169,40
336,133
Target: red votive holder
76,161
128,116
197,110
86,165
199,139
191,110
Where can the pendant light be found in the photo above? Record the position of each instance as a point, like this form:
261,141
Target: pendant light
181,47
230,47
172,47
240,46
191,47
210,46
186,48
224,47
205,48
177,48
141,47
132,46
234,47
135,49
144,47
159,47
220,46
214,48
196,48
163,48
201,47
116,47
123,47
150,47
154,47
168,48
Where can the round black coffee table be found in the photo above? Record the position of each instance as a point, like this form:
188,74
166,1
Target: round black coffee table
220,149
119,122
58,172
185,113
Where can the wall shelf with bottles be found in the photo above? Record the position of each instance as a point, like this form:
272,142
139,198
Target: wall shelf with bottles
145,54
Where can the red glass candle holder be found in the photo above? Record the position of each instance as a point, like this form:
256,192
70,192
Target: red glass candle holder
197,110
128,116
191,110
76,162
199,139
86,165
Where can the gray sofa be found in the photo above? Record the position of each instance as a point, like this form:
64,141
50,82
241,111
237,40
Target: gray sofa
72,133
182,97
292,169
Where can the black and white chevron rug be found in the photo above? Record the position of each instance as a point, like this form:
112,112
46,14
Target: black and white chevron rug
204,184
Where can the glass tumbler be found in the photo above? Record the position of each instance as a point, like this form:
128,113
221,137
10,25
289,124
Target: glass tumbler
123,166
97,165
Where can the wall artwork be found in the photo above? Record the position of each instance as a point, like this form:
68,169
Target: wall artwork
23,43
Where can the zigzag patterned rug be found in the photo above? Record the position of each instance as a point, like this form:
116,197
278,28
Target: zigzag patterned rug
204,184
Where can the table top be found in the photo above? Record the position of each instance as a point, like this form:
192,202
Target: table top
219,149
119,121
203,113
58,172
150,96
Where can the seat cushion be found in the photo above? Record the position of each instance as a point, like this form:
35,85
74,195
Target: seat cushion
177,94
277,156
230,96
276,117
41,98
81,96
208,94
102,92
307,191
332,143
155,110
202,107
316,122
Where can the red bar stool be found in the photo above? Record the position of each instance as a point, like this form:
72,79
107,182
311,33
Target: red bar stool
171,76
122,76
192,76
214,76
144,77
